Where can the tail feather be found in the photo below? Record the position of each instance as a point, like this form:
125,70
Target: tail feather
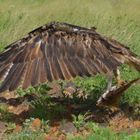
134,61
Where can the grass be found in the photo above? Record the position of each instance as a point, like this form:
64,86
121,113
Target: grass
97,132
101,133
118,19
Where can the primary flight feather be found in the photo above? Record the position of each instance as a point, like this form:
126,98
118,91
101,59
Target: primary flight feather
60,51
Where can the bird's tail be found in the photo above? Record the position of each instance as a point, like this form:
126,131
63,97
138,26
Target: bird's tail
133,61
125,54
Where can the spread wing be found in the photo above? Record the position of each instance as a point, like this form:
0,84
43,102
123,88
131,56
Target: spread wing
56,51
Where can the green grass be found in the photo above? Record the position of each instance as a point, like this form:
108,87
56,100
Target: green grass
27,133
97,132
101,133
118,19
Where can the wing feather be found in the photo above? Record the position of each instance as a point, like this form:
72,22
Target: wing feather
28,75
64,69
35,72
16,79
57,51
43,75
48,69
70,67
5,85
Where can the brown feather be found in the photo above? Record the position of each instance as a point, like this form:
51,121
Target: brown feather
48,69
35,72
64,69
58,69
28,75
60,51
5,85
43,75
16,79
4,70
70,67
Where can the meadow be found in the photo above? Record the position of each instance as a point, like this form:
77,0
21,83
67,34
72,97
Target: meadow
117,19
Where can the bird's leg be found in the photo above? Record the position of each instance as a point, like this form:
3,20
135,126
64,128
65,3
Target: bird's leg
120,82
103,97
109,82
109,98
109,85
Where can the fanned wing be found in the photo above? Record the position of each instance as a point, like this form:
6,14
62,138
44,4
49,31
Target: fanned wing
56,51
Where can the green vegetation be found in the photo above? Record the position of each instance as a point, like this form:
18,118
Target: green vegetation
29,132
97,132
101,133
118,19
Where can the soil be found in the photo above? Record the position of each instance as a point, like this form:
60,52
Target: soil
126,118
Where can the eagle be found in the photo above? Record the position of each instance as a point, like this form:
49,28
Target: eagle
62,51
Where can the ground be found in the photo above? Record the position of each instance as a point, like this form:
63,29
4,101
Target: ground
33,114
